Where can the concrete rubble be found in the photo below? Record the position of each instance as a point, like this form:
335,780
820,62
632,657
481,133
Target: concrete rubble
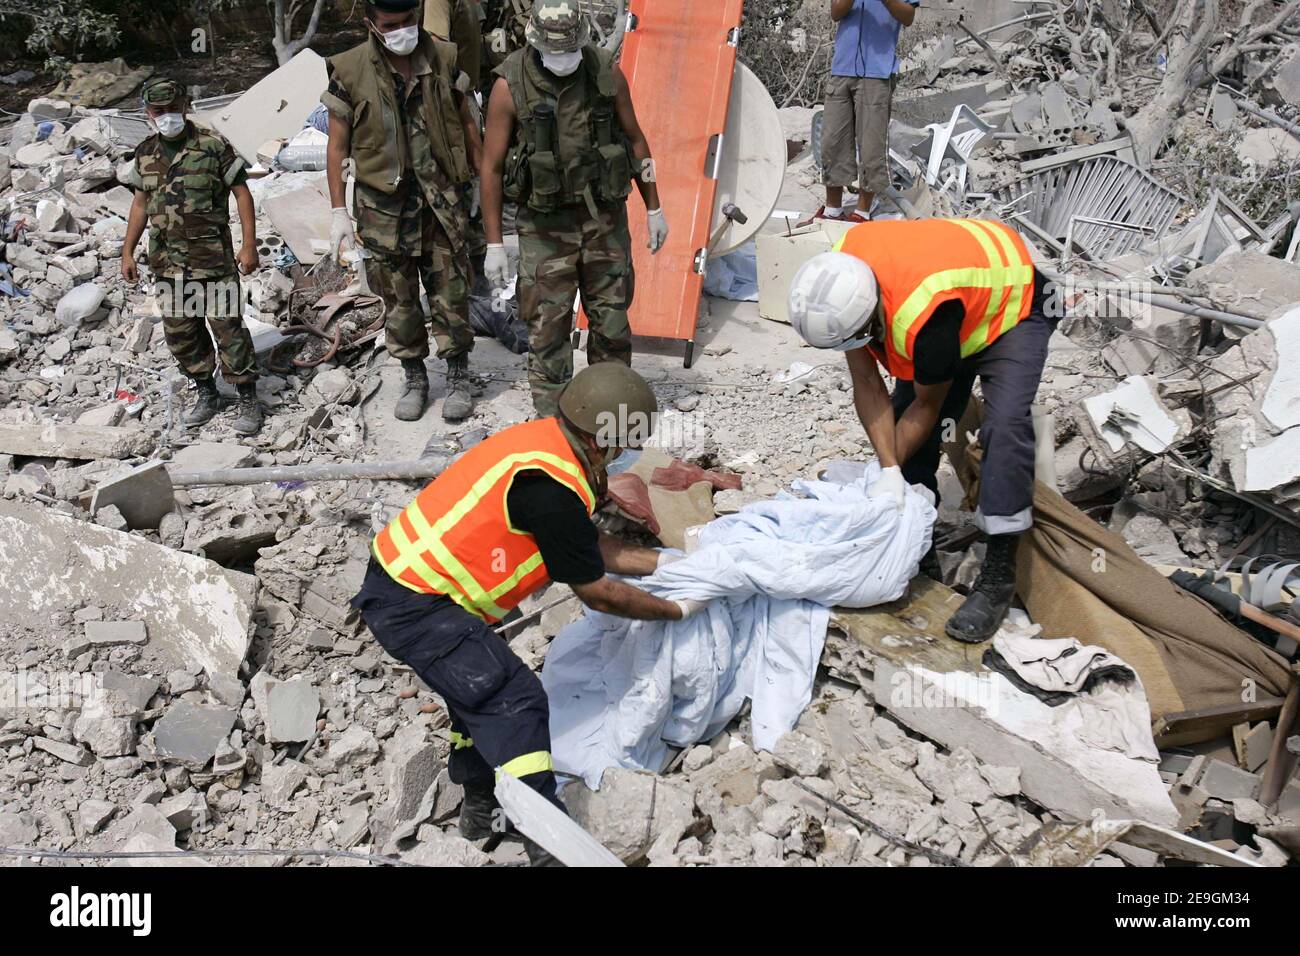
204,683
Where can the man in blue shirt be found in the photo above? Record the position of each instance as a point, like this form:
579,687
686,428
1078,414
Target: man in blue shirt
855,134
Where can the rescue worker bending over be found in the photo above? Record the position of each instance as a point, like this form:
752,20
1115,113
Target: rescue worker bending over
940,302
508,516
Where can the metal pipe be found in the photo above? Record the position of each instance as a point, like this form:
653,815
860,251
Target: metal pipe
1227,318
376,470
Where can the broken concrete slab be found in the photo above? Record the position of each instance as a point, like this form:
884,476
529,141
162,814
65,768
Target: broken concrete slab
549,827
78,442
291,709
275,107
197,612
212,456
1134,413
189,734
1281,402
143,495
1225,782
280,781
109,633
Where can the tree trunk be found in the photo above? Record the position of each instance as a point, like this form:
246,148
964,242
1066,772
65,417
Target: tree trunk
285,47
1189,43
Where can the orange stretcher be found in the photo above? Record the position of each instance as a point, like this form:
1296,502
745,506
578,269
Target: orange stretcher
678,57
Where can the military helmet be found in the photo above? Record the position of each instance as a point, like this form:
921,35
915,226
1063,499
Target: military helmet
611,402
558,26
160,91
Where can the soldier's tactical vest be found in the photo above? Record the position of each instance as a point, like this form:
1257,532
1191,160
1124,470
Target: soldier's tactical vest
187,201
568,146
379,146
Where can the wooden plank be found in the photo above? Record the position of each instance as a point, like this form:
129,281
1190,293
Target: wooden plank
1210,723
910,631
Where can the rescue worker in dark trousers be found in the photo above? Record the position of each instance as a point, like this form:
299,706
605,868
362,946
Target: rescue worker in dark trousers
563,143
512,513
398,112
941,303
183,178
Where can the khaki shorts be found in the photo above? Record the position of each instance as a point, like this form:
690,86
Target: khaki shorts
855,132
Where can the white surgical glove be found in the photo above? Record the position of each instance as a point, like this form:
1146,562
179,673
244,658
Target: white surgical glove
890,484
658,229
342,238
690,606
496,265
667,557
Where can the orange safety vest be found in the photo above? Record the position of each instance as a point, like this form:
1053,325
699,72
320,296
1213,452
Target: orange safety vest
920,264
456,537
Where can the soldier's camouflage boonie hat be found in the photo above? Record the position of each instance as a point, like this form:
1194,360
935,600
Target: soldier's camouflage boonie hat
558,26
161,91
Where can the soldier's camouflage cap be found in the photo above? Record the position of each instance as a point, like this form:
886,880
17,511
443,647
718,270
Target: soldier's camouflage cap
558,26
161,91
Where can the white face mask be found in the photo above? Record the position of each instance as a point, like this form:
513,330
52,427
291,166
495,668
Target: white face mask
562,64
402,41
170,125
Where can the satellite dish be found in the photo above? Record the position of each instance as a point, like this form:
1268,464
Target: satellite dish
751,167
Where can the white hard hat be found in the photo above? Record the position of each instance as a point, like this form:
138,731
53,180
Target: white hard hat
832,299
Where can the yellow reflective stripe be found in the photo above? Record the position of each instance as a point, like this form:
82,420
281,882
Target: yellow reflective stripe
527,567
429,537
934,284
838,245
979,336
1022,272
536,762
409,557
460,741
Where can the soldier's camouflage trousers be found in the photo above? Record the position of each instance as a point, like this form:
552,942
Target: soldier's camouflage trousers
445,277
186,305
561,253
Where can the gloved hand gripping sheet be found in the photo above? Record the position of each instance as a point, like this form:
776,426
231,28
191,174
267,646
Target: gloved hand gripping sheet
621,692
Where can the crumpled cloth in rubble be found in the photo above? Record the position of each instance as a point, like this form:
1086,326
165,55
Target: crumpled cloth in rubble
1093,693
621,692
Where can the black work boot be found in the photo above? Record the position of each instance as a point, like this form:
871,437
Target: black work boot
460,399
205,405
537,856
249,419
415,391
980,614
477,809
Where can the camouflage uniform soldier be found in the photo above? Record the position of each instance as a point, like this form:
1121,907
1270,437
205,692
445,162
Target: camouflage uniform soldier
563,143
397,111
183,178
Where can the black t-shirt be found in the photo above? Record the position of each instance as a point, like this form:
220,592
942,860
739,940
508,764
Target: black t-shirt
557,519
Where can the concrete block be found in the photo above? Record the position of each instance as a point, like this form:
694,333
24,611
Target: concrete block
80,442
108,633
196,613
291,709
143,495
189,734
1223,781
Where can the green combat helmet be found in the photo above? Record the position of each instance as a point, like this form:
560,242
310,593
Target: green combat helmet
613,403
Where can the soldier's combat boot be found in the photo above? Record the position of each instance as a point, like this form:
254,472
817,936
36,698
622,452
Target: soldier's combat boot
460,397
476,811
415,391
980,614
205,404
249,419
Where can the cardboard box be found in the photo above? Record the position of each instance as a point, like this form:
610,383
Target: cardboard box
781,255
